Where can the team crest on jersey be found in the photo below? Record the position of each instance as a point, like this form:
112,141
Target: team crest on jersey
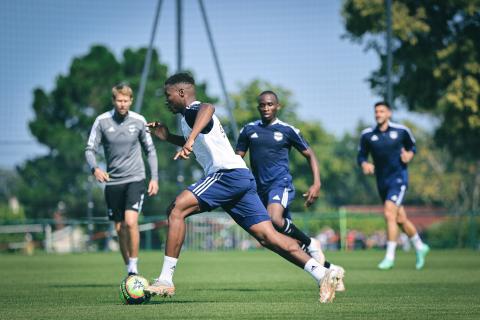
131,128
254,135
393,134
278,136
374,138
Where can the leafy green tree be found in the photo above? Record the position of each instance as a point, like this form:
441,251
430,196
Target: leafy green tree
63,119
436,55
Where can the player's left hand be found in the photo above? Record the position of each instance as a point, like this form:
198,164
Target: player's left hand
152,187
311,195
406,156
184,153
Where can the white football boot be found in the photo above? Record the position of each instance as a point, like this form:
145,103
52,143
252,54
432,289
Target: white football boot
161,288
327,286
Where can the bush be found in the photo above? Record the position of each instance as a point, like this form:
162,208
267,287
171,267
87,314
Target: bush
454,233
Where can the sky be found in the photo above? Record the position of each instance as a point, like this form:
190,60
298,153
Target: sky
294,44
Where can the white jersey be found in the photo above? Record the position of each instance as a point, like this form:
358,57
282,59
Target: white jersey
211,148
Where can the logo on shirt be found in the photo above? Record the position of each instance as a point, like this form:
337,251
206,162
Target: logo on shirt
111,129
254,135
131,129
278,136
393,134
374,138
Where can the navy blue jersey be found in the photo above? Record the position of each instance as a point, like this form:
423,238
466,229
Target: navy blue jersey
385,148
269,148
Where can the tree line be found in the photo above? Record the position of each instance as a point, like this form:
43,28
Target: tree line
436,71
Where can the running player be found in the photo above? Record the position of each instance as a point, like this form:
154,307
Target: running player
122,133
270,141
228,183
392,147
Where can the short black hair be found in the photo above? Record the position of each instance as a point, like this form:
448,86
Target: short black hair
181,77
382,103
269,92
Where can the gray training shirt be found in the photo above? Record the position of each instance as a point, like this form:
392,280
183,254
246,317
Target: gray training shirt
121,138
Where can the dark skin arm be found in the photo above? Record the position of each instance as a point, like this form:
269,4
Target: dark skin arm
161,131
204,116
312,194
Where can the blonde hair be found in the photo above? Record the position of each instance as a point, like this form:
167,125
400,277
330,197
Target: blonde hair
122,89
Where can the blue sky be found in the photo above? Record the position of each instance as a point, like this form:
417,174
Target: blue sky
295,44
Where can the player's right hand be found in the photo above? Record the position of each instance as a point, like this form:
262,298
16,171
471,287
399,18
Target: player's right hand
101,175
159,129
184,152
368,168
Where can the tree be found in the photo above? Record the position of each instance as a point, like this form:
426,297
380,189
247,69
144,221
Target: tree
63,119
436,54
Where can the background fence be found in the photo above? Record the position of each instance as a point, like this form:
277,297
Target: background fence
340,230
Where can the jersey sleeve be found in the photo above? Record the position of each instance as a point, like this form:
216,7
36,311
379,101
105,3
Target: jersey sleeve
297,140
409,141
363,150
93,143
242,142
149,147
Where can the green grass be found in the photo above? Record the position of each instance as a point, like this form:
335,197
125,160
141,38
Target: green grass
241,285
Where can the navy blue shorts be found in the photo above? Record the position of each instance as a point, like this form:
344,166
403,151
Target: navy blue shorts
279,194
394,192
235,191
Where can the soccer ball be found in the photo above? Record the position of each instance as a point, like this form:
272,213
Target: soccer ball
131,290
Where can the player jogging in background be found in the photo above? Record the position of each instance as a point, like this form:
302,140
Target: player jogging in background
392,147
228,184
123,133
269,142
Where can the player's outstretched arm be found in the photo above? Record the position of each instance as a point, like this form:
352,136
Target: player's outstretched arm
161,132
312,194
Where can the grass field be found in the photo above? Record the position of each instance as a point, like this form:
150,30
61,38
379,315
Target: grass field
241,285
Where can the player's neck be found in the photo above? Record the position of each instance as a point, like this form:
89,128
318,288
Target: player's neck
189,101
119,117
384,126
268,122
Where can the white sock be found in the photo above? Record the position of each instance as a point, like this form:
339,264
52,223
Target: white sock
168,269
417,242
391,246
316,270
132,265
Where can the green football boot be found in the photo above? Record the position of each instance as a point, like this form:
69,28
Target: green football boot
386,264
421,254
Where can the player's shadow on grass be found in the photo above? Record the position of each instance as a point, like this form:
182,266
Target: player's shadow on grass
83,285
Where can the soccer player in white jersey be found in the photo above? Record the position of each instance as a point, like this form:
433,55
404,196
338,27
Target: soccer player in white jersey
392,147
228,183
269,142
